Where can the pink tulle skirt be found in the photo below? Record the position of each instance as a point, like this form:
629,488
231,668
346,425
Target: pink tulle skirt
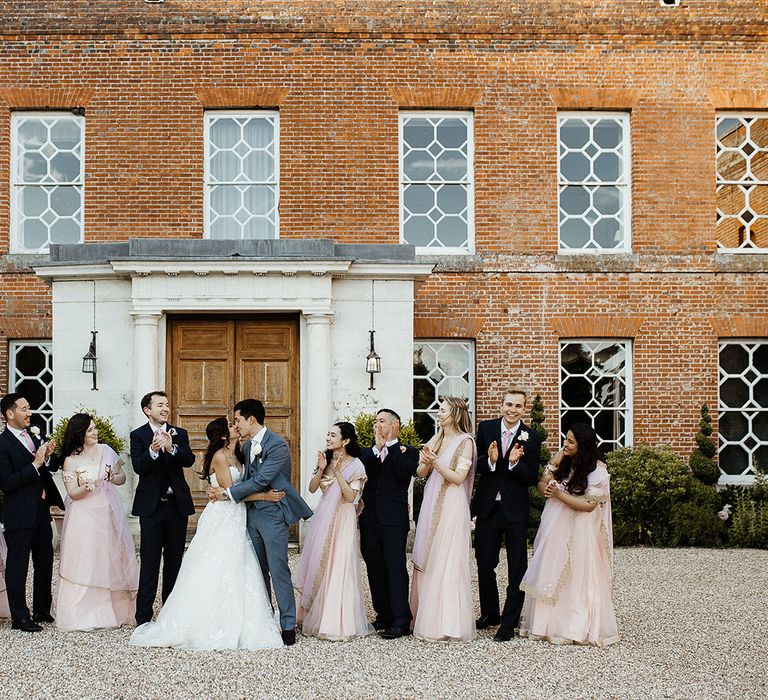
98,574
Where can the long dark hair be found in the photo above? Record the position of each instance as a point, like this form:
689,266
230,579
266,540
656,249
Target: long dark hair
217,432
347,431
583,462
74,435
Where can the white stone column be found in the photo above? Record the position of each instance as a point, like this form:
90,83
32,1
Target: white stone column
145,359
318,395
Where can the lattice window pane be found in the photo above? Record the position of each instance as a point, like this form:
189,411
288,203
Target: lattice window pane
595,388
436,183
742,181
31,373
241,175
743,408
440,369
594,180
47,180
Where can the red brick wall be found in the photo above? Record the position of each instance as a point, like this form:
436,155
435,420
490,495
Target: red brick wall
339,73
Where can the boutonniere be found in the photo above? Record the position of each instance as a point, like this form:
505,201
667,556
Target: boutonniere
172,432
255,449
523,437
35,431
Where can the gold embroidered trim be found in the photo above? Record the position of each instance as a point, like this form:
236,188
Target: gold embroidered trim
320,575
438,509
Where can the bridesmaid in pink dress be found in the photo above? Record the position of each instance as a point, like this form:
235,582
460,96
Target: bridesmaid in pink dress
98,575
569,581
329,594
4,609
441,593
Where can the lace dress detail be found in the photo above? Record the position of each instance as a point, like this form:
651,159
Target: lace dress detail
219,600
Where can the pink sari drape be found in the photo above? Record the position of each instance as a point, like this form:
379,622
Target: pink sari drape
4,609
434,492
441,593
317,542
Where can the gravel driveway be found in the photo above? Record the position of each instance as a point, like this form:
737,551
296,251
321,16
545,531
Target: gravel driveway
693,625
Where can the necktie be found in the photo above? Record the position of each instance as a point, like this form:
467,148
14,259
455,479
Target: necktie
158,432
506,436
30,445
383,454
27,440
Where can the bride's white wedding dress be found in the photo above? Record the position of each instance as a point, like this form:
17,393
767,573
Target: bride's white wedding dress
219,600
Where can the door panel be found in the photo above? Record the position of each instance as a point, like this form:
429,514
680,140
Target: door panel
213,362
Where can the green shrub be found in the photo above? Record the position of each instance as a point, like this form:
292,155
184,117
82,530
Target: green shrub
704,468
696,525
534,497
702,465
106,429
702,495
749,524
363,423
647,484
537,423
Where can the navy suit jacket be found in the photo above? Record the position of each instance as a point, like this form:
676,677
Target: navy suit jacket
21,483
156,474
385,497
512,484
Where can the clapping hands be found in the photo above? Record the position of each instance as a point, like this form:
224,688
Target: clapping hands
162,440
428,457
515,453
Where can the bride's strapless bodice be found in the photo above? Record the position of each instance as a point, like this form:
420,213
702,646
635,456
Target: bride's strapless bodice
237,476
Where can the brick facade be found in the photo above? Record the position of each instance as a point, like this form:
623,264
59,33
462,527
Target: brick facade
340,72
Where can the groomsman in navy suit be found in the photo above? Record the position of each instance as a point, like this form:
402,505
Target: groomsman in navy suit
507,464
26,463
159,454
384,524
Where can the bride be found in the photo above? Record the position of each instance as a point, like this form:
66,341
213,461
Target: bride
219,600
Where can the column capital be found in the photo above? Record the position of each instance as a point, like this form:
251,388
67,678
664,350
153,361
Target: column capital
146,317
318,317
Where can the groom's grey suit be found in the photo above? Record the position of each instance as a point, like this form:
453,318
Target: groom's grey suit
268,522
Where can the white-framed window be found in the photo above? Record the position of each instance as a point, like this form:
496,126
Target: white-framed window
437,182
242,174
594,178
31,374
596,389
742,181
441,368
742,409
47,176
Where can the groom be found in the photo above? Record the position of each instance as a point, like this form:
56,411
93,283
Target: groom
268,466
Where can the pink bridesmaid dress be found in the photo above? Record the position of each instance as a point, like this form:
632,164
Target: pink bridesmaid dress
329,593
4,609
569,581
441,592
98,574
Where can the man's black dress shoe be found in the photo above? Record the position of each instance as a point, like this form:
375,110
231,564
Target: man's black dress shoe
42,617
504,634
486,621
26,625
395,632
289,637
378,625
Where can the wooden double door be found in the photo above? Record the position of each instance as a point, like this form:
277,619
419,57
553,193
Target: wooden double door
213,362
